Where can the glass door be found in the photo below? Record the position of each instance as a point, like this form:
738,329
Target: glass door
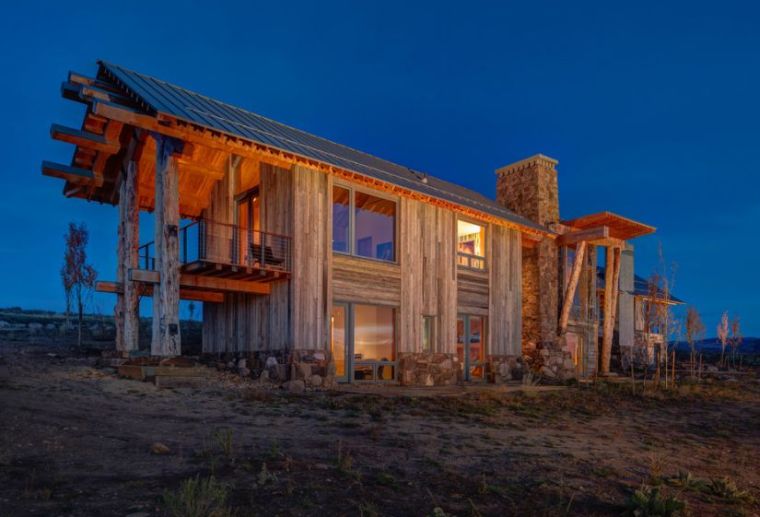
339,340
246,235
471,346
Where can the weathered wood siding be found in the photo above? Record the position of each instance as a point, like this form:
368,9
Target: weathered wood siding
365,281
427,256
505,294
473,292
245,322
310,286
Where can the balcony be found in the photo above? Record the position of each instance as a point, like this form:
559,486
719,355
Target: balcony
211,248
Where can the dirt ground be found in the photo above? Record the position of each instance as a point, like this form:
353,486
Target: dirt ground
76,440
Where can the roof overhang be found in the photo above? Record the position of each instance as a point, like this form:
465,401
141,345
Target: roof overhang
618,227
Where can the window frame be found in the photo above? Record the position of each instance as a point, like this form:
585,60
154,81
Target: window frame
352,189
468,256
351,362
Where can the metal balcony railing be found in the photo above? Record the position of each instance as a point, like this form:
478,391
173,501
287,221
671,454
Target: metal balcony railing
227,244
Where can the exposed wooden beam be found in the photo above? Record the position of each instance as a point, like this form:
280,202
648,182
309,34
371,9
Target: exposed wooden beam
83,139
589,235
200,282
192,167
572,284
73,175
147,290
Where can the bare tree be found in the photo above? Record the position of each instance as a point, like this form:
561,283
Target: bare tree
722,333
78,276
695,329
736,338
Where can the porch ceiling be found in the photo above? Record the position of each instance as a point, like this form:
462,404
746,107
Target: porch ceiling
620,227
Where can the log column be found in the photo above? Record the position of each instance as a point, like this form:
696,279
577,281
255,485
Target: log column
131,228
166,333
572,285
127,301
611,290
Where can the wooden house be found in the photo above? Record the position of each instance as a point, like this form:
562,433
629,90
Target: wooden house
311,257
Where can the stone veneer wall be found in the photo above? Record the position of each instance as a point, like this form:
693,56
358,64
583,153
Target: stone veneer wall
428,369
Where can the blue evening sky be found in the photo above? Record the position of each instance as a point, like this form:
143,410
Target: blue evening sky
651,108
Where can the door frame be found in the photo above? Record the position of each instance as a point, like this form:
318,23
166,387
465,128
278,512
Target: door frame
466,337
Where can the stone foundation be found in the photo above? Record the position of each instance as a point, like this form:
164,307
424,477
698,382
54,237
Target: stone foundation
505,368
428,369
313,367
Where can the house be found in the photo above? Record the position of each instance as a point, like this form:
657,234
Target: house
638,329
311,257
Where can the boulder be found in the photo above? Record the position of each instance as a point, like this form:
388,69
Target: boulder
295,386
159,448
315,380
303,371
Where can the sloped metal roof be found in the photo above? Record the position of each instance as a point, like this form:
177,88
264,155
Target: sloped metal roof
158,96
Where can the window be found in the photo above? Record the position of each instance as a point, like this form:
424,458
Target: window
471,245
371,220
364,342
427,333
340,215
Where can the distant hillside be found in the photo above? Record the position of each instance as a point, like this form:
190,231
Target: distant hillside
750,345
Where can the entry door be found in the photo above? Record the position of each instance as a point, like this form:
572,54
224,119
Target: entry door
471,346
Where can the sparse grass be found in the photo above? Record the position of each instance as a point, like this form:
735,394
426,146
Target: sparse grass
198,497
652,502
725,488
223,440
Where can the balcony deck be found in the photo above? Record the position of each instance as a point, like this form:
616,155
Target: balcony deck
214,249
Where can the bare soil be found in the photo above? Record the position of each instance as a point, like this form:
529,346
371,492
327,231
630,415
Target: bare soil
76,440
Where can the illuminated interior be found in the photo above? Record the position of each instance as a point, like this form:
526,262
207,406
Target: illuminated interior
471,244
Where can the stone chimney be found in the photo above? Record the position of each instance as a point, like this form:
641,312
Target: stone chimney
529,188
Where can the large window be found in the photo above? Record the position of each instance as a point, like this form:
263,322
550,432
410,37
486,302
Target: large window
364,224
471,245
341,218
364,342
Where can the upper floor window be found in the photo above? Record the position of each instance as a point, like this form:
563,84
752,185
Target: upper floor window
364,224
471,245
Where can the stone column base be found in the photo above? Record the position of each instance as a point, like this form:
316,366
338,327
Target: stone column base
551,360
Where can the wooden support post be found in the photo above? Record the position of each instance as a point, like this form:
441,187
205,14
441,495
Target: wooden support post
611,280
131,234
166,333
572,285
118,311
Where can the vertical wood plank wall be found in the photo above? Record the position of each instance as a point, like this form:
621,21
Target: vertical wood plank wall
427,256
311,246
505,294
245,322
425,282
